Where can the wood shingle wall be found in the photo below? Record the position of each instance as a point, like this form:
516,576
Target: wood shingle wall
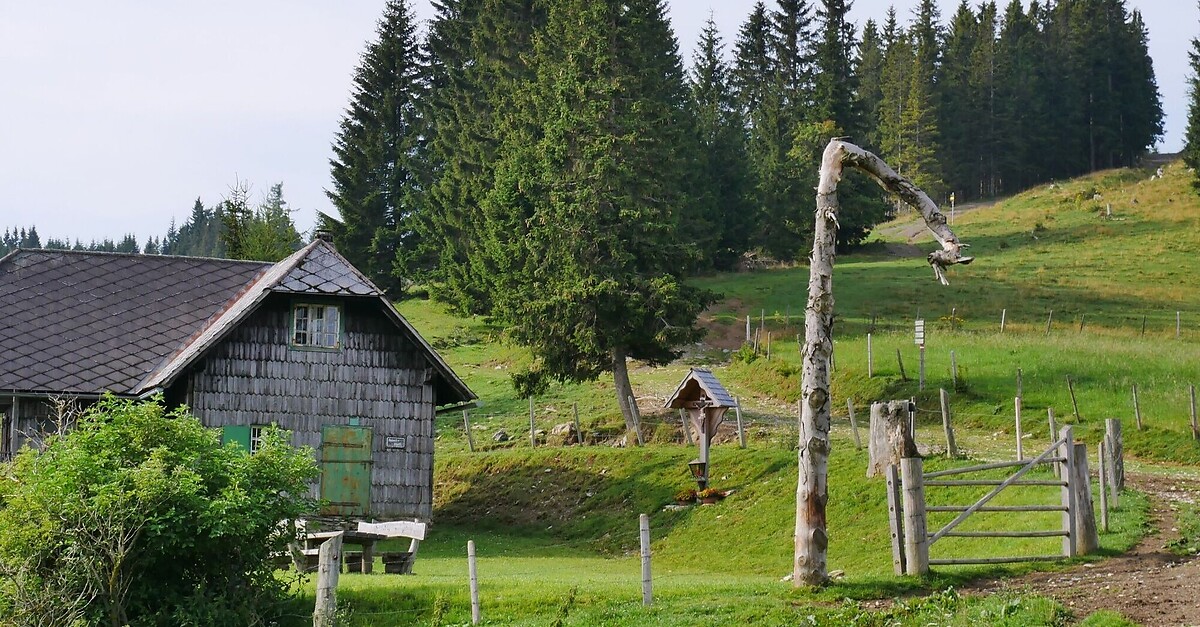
254,377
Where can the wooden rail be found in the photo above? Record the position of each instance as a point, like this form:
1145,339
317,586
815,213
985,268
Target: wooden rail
996,482
982,467
997,508
965,561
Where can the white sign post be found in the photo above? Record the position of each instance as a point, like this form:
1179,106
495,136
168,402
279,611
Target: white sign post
919,336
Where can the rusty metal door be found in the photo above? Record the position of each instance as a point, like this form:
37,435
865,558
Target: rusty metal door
346,470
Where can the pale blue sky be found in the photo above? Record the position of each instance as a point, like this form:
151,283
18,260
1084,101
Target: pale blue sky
116,115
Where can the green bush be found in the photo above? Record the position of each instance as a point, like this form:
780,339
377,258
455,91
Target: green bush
138,516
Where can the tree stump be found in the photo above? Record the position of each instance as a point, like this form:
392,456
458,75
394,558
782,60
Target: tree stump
890,439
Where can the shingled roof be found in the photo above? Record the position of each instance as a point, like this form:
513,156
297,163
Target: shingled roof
87,322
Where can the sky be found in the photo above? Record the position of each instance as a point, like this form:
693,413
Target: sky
115,116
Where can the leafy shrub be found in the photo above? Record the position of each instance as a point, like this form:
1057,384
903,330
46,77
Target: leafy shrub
138,516
686,495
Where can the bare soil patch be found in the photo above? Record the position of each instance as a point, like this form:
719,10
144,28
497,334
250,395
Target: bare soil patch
1149,585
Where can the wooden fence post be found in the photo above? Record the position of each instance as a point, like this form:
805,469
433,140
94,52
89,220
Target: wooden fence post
1020,391
1137,409
1003,314
1049,320
1177,325
1195,426
737,410
951,447
870,358
953,371
1020,434
853,424
1085,519
1082,318
474,582
687,431
895,519
532,425
647,583
578,429
1143,325
1066,450
1103,472
1116,458
467,430
637,420
900,360
329,566
1074,403
921,378
916,536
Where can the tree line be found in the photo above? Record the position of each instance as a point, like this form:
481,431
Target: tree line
233,228
555,165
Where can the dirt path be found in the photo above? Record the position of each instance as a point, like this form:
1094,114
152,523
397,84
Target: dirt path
1148,585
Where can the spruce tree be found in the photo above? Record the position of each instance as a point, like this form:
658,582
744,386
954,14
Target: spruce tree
722,175
599,280
1191,149
479,52
870,79
836,80
959,110
377,153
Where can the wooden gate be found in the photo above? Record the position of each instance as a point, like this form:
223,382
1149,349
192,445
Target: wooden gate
911,540
346,470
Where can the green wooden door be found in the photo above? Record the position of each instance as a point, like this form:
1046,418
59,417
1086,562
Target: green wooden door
346,470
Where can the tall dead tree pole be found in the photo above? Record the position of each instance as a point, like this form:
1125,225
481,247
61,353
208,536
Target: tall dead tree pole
812,539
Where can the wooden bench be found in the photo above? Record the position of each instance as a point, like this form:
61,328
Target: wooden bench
396,562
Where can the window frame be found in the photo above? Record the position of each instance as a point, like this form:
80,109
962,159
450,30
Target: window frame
311,305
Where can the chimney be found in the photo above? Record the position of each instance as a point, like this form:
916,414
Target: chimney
324,236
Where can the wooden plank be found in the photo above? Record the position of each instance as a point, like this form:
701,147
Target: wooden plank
474,576
1006,534
982,467
1074,403
395,529
994,560
895,518
997,508
995,482
990,495
1103,472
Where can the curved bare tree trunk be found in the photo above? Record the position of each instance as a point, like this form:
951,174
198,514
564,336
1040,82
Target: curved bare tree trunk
812,538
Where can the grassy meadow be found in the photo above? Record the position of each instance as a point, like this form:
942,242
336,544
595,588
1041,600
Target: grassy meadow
556,527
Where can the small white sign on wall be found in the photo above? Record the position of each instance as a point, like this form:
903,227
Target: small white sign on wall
396,442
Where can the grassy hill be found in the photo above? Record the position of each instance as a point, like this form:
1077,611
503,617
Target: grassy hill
557,527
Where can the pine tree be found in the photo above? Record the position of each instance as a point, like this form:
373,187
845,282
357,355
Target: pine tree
377,153
893,87
753,60
31,239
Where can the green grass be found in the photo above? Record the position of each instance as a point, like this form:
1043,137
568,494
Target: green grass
556,528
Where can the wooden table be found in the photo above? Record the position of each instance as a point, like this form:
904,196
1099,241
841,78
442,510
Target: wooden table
361,538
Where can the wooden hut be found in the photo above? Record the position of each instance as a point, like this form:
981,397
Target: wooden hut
308,344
